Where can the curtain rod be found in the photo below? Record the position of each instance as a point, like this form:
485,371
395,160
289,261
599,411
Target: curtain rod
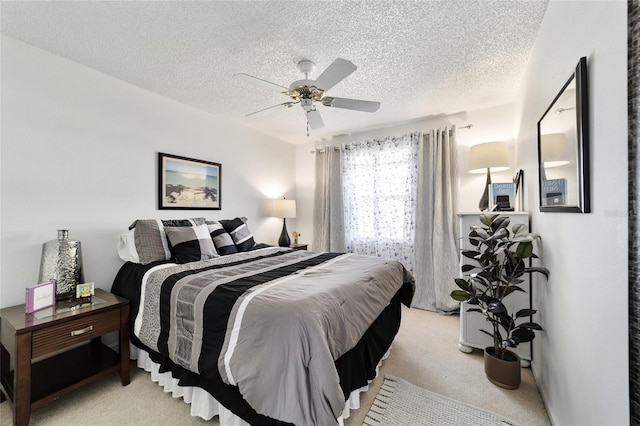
321,150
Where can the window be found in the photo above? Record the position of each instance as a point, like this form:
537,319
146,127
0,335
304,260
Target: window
379,190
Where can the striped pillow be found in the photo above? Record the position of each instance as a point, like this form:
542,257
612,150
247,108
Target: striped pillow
240,233
221,238
191,243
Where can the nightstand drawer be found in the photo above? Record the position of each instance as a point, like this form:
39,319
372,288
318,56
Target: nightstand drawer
51,339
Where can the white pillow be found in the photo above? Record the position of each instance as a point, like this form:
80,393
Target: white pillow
127,247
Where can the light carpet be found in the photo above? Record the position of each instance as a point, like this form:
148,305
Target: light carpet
401,403
424,351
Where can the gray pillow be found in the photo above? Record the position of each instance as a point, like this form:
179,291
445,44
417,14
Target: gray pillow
190,243
151,240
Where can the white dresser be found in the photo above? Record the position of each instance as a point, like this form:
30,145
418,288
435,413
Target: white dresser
471,322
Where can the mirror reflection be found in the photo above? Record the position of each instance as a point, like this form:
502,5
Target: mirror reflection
559,151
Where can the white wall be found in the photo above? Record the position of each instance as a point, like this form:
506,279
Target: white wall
79,151
491,124
581,359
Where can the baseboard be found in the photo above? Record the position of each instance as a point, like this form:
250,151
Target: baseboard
543,393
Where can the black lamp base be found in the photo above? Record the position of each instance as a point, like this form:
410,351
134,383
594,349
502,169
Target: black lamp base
484,201
284,240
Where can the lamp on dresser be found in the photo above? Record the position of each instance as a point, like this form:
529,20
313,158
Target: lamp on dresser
488,157
554,152
554,147
285,209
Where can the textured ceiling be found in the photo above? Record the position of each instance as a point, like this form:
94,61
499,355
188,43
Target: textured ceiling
418,58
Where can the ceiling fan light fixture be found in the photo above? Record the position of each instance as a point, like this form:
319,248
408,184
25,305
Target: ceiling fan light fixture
294,94
307,105
316,94
305,92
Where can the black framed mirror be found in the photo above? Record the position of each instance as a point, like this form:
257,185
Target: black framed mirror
563,148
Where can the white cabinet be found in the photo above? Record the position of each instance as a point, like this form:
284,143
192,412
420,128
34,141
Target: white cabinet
471,322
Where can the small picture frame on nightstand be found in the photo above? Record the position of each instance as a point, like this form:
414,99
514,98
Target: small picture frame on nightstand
40,296
84,292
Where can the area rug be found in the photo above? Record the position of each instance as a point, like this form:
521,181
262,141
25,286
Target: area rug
399,403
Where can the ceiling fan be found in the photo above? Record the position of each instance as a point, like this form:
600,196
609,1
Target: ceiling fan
309,93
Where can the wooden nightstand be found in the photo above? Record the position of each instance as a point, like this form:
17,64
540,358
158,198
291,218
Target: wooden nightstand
29,336
299,246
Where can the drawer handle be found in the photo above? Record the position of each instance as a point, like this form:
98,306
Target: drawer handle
82,331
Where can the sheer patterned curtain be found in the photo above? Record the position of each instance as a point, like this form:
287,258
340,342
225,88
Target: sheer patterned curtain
328,215
436,230
395,198
379,187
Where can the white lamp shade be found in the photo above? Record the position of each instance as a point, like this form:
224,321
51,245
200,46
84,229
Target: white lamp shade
490,155
284,208
554,147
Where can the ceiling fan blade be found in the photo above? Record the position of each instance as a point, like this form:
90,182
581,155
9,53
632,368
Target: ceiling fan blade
259,82
286,104
314,119
355,104
335,73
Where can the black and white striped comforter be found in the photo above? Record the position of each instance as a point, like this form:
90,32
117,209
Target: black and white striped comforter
271,321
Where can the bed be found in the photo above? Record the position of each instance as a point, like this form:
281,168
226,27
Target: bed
273,335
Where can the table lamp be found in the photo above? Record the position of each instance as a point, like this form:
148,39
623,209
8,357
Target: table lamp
488,157
285,209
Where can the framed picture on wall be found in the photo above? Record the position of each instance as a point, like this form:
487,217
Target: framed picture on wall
187,183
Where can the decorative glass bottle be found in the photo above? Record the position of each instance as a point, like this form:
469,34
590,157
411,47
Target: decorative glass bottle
62,262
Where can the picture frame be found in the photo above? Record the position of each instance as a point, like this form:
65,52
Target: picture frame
563,148
40,296
518,182
188,183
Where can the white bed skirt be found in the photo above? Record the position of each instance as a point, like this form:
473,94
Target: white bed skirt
205,406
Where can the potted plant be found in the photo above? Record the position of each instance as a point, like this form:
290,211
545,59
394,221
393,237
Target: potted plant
497,271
